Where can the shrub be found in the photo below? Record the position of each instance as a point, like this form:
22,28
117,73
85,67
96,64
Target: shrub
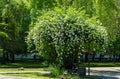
56,71
62,35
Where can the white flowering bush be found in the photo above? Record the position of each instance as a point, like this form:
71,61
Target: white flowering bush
62,35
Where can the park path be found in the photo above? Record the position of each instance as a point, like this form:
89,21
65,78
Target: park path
105,72
14,77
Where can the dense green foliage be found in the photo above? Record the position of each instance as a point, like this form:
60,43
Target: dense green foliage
62,35
15,20
60,31
79,26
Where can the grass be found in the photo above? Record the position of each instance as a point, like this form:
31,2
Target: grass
41,66
25,69
29,64
33,75
37,64
40,76
101,64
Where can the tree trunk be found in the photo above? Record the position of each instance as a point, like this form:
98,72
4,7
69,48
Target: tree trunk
12,57
7,56
88,66
93,56
100,57
109,57
86,57
4,58
114,57
119,58
34,57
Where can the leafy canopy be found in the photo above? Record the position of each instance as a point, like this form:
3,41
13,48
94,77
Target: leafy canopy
62,32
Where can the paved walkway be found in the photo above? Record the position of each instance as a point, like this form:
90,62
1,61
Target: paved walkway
105,72
14,77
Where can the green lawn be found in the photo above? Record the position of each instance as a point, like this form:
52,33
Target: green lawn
35,67
30,72
43,64
30,64
23,69
33,75
101,64
40,76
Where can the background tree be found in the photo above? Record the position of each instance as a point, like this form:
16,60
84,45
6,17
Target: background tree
17,19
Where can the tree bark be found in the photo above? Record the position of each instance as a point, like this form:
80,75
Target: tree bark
100,57
4,58
7,56
114,57
93,56
88,65
119,58
110,58
12,57
86,57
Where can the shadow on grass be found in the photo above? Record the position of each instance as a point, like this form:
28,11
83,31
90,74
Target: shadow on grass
26,64
103,77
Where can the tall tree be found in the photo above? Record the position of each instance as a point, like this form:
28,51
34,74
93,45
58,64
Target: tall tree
16,17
